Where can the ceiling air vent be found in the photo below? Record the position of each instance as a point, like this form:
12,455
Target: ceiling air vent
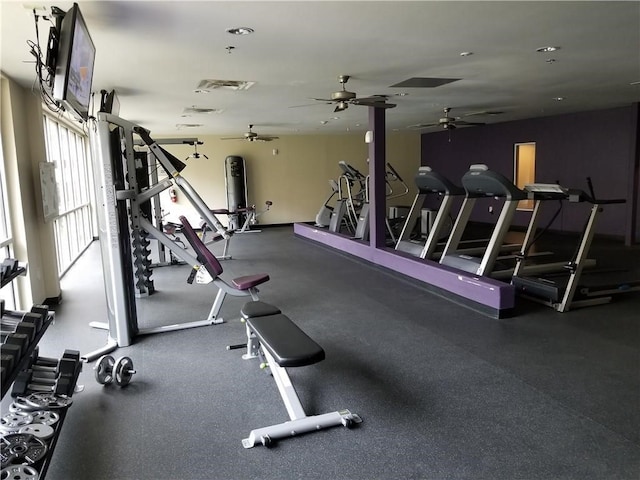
424,82
208,85
198,111
188,125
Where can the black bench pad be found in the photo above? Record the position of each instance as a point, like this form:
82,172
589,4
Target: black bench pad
258,309
289,345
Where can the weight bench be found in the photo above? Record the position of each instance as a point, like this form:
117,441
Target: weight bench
285,345
239,287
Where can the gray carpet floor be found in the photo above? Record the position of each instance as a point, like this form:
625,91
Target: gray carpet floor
444,392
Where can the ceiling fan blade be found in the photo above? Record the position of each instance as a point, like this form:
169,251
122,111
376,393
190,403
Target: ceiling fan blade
372,98
424,125
324,102
373,102
232,138
467,124
485,112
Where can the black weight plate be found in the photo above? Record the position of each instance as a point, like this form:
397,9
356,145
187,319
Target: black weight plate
21,448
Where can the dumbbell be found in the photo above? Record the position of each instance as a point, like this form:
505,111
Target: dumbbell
17,343
108,370
8,266
69,357
29,381
37,315
29,329
14,325
49,372
9,359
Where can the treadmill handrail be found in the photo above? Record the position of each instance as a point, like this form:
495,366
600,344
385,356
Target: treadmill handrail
573,195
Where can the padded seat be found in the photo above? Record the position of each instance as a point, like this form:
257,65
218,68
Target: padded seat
258,309
285,341
245,286
249,281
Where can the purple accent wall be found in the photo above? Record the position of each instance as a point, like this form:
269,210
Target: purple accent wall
601,145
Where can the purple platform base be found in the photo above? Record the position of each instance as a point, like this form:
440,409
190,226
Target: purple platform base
482,294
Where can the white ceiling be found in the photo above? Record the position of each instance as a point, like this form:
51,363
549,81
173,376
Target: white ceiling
155,54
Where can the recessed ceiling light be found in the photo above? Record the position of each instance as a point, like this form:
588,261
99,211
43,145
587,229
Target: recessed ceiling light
558,99
240,30
547,49
550,60
466,54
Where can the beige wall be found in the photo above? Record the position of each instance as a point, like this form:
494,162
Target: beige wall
295,179
23,148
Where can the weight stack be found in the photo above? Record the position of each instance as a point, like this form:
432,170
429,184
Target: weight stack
142,263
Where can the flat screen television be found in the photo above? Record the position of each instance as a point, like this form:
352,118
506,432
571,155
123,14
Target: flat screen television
74,65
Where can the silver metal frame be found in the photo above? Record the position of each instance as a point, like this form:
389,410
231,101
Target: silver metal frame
121,315
299,422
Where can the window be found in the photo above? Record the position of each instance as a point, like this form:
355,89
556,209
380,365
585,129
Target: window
67,149
525,170
7,293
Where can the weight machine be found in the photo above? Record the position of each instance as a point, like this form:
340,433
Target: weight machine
126,224
362,225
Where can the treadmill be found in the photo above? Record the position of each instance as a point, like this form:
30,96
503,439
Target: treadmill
428,183
565,292
480,182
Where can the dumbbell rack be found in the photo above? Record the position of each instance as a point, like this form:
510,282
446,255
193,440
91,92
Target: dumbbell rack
27,356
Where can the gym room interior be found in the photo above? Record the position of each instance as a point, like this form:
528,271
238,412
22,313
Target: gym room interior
156,303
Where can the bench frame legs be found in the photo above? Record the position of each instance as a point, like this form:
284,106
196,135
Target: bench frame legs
223,290
299,422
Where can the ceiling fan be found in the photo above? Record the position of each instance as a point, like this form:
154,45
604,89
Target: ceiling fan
450,123
252,136
343,98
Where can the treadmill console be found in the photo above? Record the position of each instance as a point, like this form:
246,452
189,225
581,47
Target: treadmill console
545,191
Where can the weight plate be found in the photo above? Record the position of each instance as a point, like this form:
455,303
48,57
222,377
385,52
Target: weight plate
21,405
45,417
103,369
39,430
123,371
21,448
15,420
45,400
19,472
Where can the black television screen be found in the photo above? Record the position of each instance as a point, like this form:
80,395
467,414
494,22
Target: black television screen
74,65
